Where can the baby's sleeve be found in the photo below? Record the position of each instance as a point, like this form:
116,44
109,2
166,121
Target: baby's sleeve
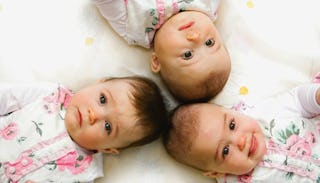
115,12
305,98
14,96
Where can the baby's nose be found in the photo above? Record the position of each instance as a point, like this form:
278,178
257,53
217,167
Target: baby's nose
92,117
241,143
193,35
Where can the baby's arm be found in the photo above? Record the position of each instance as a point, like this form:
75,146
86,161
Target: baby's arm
14,96
307,97
115,12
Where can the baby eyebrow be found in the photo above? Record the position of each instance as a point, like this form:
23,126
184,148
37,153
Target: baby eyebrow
108,94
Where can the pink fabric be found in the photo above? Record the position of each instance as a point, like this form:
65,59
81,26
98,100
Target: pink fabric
57,100
24,163
75,163
161,11
296,171
9,132
18,169
274,148
175,6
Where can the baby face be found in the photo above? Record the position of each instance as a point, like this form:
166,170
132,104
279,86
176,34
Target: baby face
228,141
102,117
187,48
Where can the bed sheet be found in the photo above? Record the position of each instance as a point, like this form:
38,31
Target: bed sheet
274,45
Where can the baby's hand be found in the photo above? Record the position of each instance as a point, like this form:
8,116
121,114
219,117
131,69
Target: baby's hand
316,78
29,181
318,96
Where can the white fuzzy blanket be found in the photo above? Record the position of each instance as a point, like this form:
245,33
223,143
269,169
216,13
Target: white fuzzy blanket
274,45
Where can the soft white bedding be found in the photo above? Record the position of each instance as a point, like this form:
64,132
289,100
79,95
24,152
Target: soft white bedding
274,45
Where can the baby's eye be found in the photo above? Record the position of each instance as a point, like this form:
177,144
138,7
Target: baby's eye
225,151
102,99
209,42
107,127
232,125
187,55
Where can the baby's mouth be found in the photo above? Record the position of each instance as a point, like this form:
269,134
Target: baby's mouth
80,117
185,26
253,146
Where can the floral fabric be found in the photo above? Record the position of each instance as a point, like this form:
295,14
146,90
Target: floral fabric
138,20
293,148
36,146
152,14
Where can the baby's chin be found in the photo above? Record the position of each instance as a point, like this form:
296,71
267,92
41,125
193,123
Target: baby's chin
253,164
244,171
248,169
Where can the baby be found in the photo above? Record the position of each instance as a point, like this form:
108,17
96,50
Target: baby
279,143
188,51
49,134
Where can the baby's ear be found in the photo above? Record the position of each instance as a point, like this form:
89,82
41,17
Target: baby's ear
213,174
110,151
155,64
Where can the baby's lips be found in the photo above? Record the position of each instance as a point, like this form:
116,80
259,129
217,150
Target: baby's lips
253,145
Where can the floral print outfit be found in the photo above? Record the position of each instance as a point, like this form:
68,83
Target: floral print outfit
138,20
34,143
291,124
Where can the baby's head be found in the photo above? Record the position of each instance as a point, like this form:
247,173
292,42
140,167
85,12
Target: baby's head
116,113
214,139
190,56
